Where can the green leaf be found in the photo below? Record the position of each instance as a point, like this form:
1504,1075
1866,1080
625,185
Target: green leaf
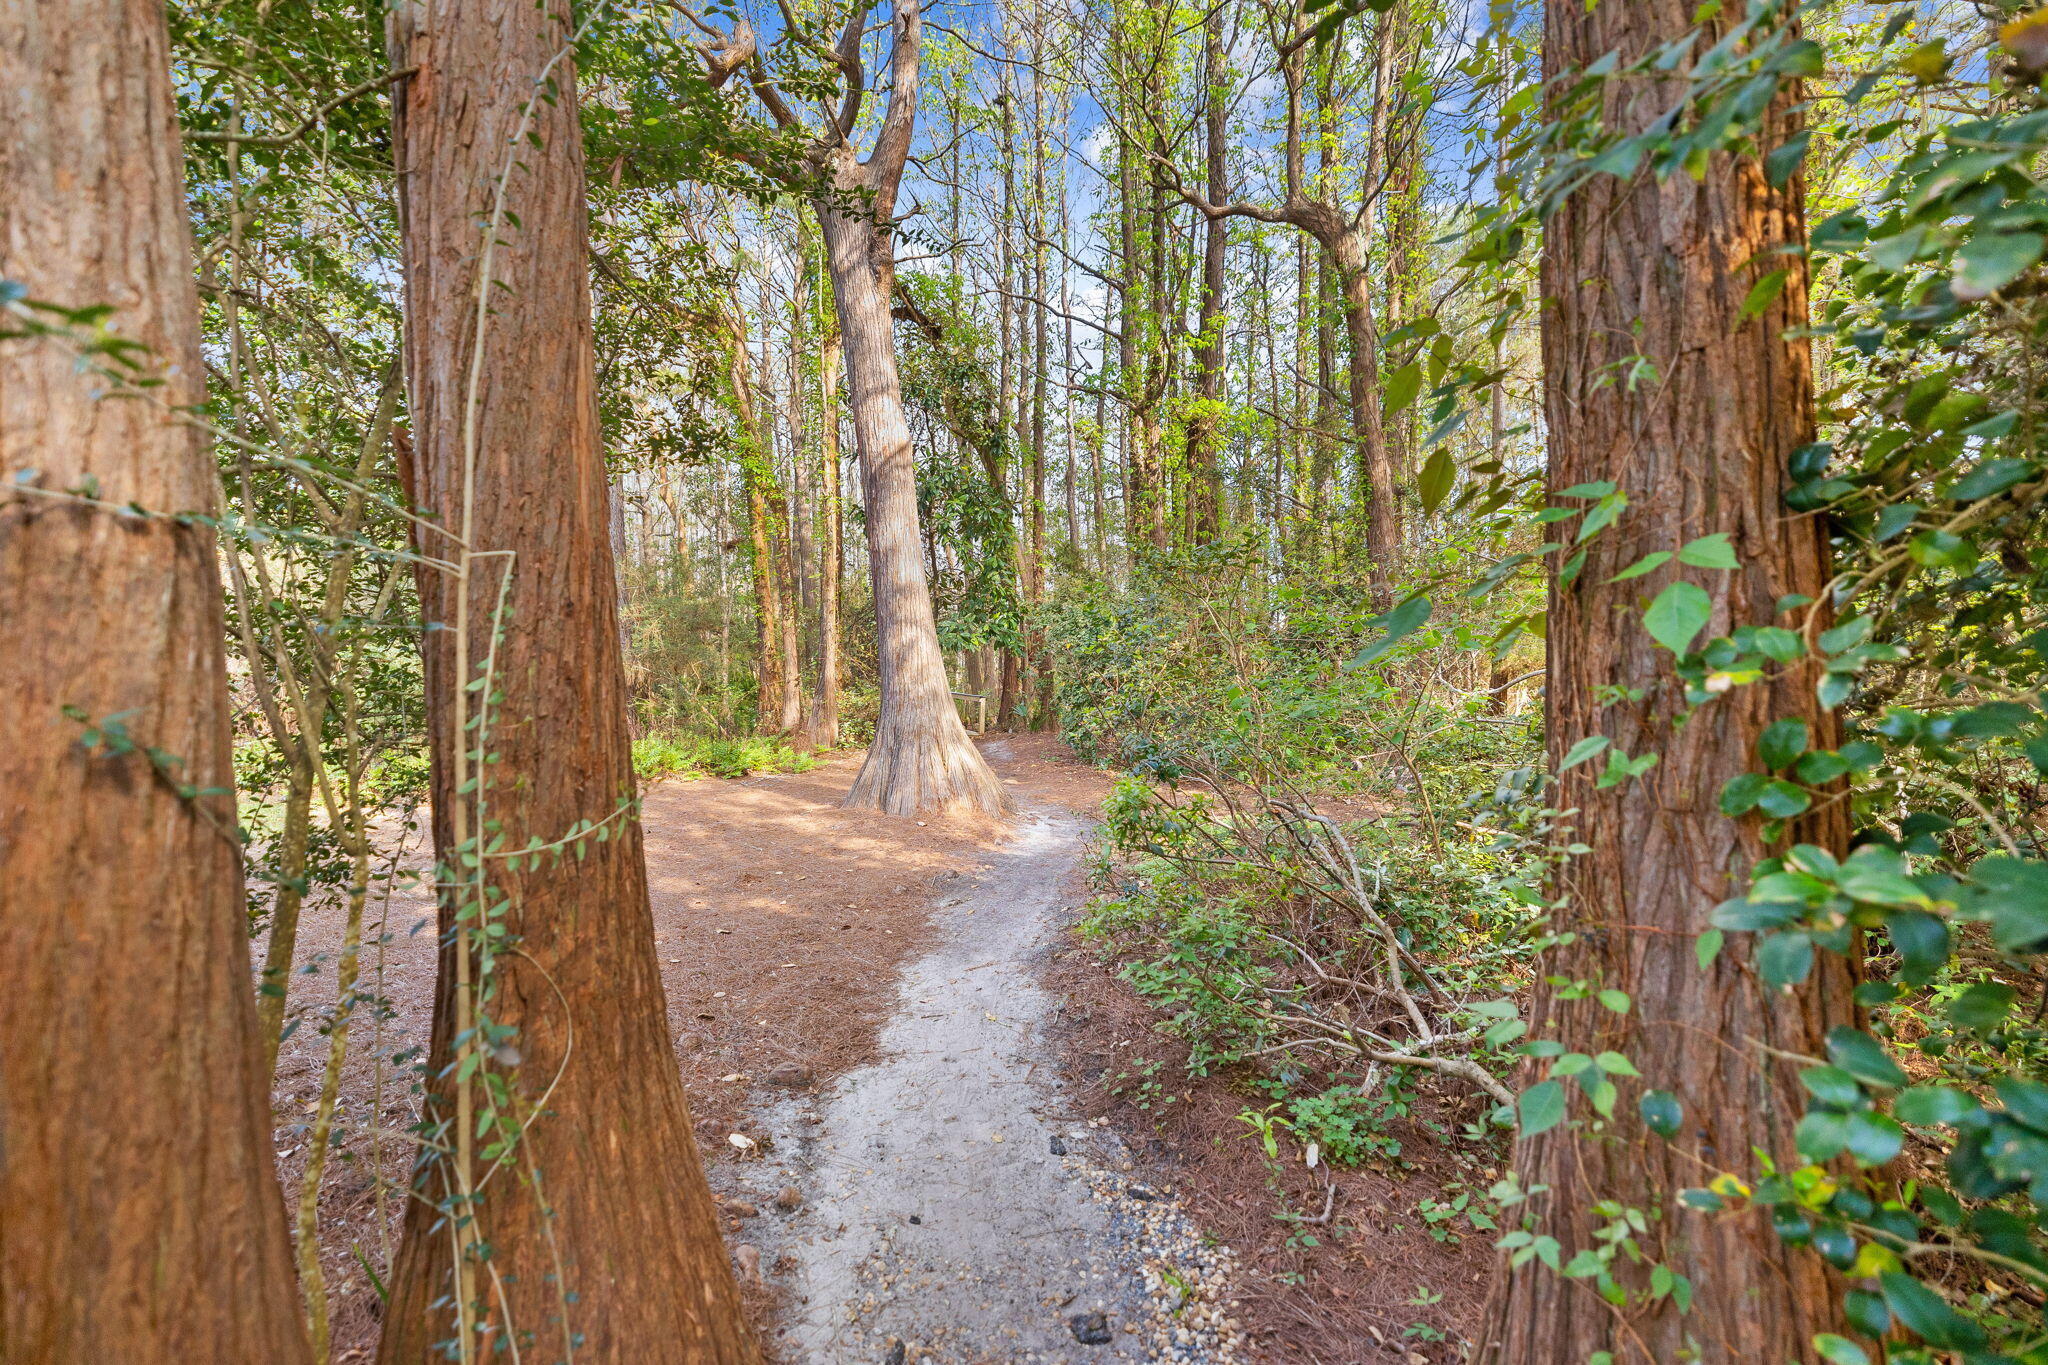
1583,750
1784,160
1784,959
1541,1108
1739,794
1931,1104
1661,1112
1927,1313
1922,941
1614,1064
2013,894
1821,1135
1761,295
1783,800
1646,564
1615,1000
2025,1100
1780,644
1846,635
1863,1057
1710,552
1870,879
1678,614
1894,519
1402,386
1439,473
1990,261
1874,1139
1403,621
1982,1007
1839,1350
1990,477
1707,947
1832,1086
1781,742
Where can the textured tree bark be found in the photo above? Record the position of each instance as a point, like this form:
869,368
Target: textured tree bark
782,552
615,1245
1205,428
1662,269
778,706
824,721
921,758
140,1217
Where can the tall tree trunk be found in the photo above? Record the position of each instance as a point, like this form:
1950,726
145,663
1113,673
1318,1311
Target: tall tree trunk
1035,560
777,705
1205,454
921,757
824,723
1009,426
140,1217
1661,269
781,543
1368,429
598,1229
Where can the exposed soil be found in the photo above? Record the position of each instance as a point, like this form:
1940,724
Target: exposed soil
782,922
792,933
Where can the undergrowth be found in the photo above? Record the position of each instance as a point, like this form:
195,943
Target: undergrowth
695,756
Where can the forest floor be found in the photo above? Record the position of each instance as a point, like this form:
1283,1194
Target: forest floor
946,1157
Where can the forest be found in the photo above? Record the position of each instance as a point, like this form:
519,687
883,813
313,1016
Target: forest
949,681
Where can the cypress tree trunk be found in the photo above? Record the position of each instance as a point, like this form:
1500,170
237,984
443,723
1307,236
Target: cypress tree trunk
921,758
1662,269
598,1234
140,1217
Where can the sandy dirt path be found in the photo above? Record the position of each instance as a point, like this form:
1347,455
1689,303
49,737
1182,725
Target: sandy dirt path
954,1207
858,997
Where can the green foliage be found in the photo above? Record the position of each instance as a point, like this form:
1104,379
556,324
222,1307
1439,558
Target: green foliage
1928,319
693,756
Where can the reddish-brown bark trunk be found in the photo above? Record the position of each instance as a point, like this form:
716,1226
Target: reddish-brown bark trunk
1662,269
140,1218
615,1247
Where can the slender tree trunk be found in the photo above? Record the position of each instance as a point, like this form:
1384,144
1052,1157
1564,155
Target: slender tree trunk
824,726
1205,455
921,758
777,705
281,943
781,547
597,1234
1368,429
1035,561
1661,269
140,1217
1010,425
